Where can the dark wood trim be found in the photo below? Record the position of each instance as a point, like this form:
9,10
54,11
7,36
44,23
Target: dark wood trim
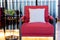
6,4
36,2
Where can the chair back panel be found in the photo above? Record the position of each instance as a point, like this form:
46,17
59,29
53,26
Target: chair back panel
26,12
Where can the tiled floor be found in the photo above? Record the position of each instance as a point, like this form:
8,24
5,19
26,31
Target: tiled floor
8,33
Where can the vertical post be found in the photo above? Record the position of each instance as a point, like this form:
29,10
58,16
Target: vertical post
5,7
20,11
2,3
20,23
13,4
17,12
3,18
58,9
36,3
6,4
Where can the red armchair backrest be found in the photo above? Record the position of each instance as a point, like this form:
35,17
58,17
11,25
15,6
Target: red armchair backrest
26,12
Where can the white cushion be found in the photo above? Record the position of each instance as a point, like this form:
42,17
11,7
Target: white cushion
37,15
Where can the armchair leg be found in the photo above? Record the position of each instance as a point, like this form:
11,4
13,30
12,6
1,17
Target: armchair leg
20,34
54,38
54,33
4,29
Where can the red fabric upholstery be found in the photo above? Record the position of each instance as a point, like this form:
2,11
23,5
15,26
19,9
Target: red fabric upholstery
37,28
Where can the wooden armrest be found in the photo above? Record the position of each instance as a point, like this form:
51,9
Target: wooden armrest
22,18
51,18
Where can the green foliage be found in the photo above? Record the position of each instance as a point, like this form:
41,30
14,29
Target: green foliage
9,12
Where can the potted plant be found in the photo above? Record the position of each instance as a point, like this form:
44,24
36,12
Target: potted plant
9,12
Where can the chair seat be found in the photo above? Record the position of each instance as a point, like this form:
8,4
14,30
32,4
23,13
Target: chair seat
37,29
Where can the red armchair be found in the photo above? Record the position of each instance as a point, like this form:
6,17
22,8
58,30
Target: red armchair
37,29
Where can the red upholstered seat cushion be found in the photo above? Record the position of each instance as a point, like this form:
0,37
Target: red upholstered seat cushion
37,29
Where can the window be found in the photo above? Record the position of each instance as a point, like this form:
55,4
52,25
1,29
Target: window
17,4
